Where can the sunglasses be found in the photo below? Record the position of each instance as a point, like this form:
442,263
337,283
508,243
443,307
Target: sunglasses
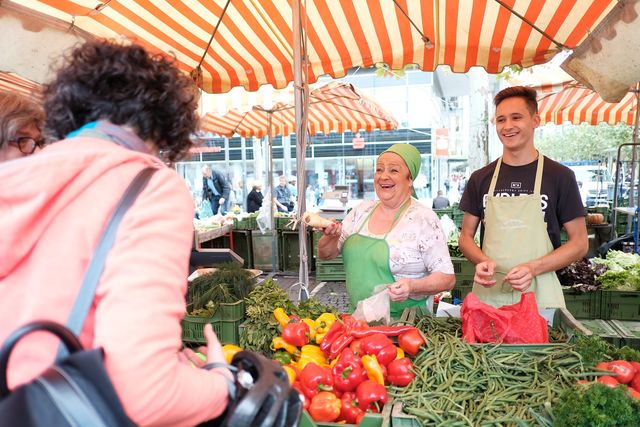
26,144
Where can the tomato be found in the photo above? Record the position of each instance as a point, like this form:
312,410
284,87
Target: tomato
623,369
636,366
634,393
608,381
582,382
603,366
635,382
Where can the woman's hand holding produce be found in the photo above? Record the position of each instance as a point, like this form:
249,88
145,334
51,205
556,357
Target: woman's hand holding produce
400,290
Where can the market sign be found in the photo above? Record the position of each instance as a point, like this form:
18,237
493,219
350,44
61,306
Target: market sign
357,142
442,142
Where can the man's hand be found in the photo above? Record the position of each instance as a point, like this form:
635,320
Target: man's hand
221,201
520,277
484,273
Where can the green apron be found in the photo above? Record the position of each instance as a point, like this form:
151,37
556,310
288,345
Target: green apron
514,233
366,263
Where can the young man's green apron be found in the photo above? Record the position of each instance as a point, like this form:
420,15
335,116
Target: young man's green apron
515,233
366,262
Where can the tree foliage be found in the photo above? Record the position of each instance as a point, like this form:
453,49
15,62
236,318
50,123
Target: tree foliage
583,141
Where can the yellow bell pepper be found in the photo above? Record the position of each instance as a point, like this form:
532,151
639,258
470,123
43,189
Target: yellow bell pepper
281,316
229,350
291,373
278,343
312,328
400,353
311,353
373,368
323,323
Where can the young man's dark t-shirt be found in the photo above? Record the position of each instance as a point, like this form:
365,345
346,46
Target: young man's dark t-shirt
559,191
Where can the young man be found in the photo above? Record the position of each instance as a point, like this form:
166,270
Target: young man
523,200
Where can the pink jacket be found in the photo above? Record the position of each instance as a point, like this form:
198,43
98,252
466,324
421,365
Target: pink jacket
53,208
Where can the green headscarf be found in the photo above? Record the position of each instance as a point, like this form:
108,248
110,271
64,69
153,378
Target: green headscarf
411,157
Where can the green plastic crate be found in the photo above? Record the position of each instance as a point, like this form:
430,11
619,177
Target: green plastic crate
583,305
605,330
444,211
330,270
289,251
225,323
245,223
400,419
630,332
620,305
282,223
463,266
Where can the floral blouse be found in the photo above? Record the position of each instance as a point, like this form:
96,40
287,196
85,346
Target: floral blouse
417,244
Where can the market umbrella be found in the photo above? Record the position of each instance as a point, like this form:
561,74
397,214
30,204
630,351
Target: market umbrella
11,82
251,42
335,107
575,103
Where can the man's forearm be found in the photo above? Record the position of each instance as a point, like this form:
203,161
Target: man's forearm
470,249
571,251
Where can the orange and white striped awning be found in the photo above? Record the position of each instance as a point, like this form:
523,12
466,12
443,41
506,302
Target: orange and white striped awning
335,107
578,104
252,44
11,82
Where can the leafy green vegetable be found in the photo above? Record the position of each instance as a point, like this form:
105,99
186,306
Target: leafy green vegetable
581,275
625,280
594,349
596,405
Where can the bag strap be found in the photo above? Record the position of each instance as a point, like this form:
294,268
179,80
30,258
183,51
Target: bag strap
87,292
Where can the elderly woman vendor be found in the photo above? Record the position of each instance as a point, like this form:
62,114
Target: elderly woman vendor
394,240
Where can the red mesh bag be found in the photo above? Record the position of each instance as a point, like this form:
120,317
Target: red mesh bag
519,323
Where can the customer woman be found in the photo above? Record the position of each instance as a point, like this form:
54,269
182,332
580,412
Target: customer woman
21,121
394,240
116,110
254,198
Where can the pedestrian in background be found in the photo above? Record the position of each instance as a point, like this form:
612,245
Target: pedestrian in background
440,202
215,189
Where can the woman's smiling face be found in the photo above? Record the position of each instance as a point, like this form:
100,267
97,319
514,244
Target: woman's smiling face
392,180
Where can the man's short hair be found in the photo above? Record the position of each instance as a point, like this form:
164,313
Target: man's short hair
528,94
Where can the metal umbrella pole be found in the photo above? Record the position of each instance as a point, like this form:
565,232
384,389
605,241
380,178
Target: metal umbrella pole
301,109
274,262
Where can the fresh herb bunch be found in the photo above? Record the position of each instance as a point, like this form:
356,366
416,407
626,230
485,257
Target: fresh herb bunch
236,276
594,349
312,308
260,327
217,294
596,405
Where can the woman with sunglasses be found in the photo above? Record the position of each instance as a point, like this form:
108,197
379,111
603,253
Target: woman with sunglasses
21,122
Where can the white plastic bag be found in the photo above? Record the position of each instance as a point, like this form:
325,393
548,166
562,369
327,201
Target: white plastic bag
264,217
449,227
375,308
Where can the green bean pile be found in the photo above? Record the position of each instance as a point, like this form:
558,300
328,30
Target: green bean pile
459,384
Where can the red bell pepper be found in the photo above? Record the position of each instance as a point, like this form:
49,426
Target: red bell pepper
371,396
411,341
296,333
350,411
314,378
380,345
390,331
348,372
356,347
399,372
334,332
325,407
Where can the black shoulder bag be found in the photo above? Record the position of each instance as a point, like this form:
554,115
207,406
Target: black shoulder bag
76,390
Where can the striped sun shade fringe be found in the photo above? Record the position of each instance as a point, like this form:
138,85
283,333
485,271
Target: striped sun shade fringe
335,107
578,104
252,44
11,82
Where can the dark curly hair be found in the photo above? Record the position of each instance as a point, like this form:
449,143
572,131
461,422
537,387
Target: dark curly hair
105,80
528,94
